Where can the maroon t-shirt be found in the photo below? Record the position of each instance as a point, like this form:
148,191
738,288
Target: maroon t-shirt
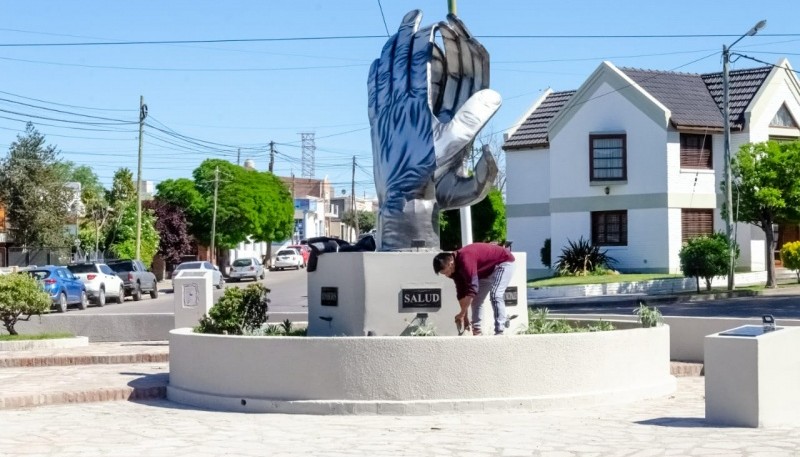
477,261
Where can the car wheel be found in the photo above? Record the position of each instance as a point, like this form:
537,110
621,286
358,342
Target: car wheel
121,295
221,282
84,300
263,276
101,297
137,293
62,303
154,292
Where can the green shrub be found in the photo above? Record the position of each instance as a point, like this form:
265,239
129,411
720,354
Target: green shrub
705,257
539,322
582,258
648,316
238,311
21,297
790,257
544,254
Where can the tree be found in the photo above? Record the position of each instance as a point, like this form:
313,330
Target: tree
790,257
173,231
705,257
767,190
488,222
123,235
250,204
21,295
34,192
366,220
123,190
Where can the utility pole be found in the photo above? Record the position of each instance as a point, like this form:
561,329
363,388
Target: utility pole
353,193
271,156
214,216
142,116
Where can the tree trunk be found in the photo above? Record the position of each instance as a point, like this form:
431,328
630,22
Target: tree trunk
767,227
708,284
10,327
697,283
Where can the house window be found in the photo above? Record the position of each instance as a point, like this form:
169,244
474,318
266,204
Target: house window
696,222
696,151
783,118
607,158
610,228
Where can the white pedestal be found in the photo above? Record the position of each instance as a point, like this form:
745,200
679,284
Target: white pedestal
362,293
194,296
753,381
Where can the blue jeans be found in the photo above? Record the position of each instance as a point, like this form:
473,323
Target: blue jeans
494,286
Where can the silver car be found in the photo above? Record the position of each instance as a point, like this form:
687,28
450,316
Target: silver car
217,278
245,268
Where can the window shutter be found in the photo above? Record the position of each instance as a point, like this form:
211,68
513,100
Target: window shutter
696,222
696,151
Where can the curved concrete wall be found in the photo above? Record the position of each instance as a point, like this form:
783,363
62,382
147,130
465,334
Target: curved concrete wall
416,375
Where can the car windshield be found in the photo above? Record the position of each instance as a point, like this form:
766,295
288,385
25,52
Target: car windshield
121,267
190,266
242,262
39,274
287,252
86,268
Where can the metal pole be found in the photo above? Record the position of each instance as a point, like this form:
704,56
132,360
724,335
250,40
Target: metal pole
727,152
214,216
142,116
353,194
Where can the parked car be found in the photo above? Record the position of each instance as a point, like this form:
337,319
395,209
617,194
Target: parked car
101,282
64,287
304,250
246,267
288,258
216,276
135,277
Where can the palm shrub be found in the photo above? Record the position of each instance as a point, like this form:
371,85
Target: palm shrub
21,297
790,257
238,311
544,254
705,257
581,258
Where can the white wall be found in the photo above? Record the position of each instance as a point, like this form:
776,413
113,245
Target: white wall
528,235
610,111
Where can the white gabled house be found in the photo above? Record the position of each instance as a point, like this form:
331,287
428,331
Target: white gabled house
633,161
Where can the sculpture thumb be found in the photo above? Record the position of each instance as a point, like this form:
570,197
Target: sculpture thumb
465,125
456,191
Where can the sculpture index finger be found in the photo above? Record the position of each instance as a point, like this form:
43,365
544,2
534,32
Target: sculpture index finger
403,48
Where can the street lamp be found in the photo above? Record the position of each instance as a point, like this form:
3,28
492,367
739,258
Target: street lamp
726,58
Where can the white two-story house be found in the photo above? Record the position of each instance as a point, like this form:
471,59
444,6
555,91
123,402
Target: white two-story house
633,160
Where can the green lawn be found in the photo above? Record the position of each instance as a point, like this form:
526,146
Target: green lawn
604,279
39,336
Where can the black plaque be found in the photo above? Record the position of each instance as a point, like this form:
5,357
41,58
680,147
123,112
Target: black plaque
511,296
421,298
330,296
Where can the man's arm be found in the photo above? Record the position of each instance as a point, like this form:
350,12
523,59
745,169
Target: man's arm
461,318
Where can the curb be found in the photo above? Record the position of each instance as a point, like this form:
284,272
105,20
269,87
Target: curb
68,360
55,343
149,391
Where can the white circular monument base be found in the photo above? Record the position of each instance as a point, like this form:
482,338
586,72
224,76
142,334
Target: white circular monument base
417,375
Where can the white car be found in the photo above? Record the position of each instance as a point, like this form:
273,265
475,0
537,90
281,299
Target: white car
288,258
216,276
101,282
247,267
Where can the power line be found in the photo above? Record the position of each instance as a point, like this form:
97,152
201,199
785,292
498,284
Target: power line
383,16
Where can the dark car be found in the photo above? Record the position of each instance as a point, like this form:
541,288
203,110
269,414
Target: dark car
136,278
64,287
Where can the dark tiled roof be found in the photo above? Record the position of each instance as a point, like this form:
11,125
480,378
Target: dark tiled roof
684,94
742,87
533,132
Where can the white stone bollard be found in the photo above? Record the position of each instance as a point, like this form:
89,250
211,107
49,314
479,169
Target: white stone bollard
194,296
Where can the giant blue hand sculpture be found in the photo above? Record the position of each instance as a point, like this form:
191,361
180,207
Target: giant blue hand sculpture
426,106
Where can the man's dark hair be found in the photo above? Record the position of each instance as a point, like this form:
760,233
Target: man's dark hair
441,260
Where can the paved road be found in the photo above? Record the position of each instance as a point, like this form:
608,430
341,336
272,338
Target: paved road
781,306
288,294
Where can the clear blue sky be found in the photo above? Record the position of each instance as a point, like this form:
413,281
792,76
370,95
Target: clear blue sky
248,94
